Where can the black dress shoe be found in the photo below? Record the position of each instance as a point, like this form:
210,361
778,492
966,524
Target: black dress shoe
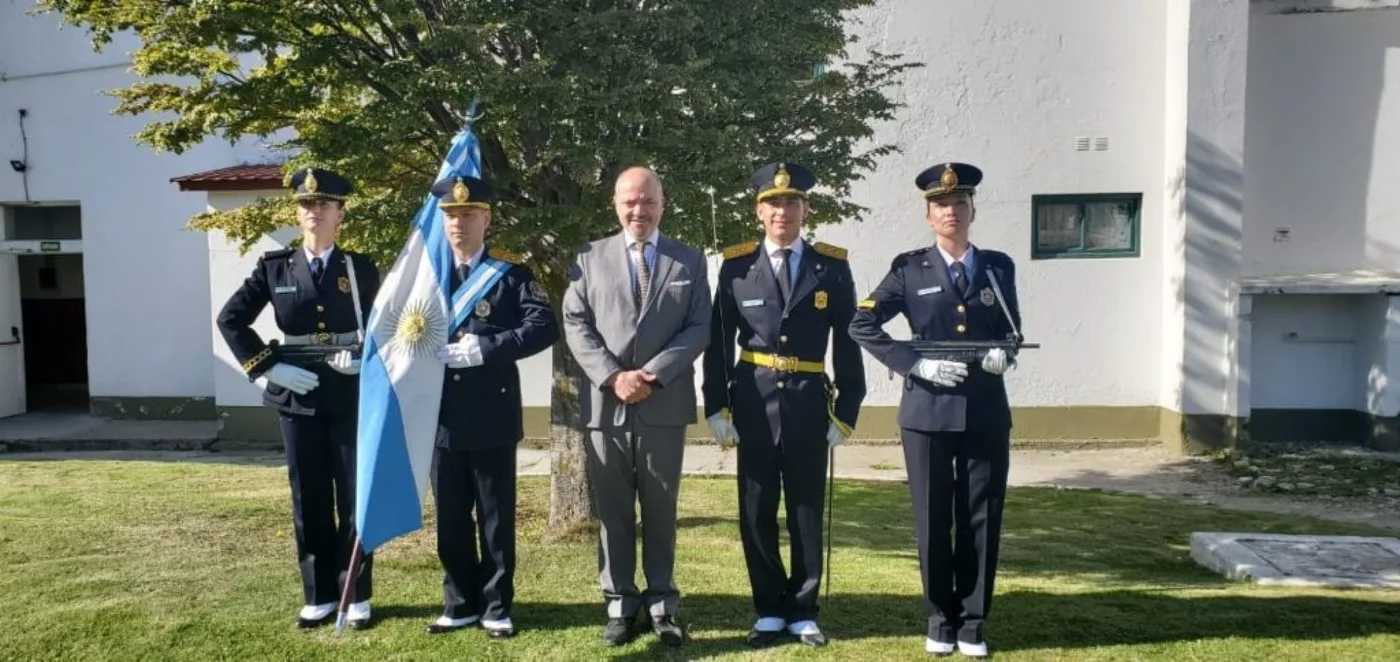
308,623
667,629
815,640
619,631
762,638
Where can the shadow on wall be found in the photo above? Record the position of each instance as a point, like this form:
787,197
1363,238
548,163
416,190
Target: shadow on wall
1211,188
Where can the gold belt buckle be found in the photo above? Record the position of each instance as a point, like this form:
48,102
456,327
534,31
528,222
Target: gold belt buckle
323,338
785,363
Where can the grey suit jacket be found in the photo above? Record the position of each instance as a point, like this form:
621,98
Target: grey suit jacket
606,334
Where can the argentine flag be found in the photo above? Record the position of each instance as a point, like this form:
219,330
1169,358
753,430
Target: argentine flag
400,375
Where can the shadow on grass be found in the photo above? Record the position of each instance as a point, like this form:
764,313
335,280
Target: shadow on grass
1021,620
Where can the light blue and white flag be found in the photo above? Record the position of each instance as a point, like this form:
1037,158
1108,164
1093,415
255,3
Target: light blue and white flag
400,375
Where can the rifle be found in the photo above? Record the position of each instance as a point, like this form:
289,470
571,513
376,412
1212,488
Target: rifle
309,355
967,351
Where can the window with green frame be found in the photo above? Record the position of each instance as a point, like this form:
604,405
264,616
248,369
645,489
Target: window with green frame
1085,225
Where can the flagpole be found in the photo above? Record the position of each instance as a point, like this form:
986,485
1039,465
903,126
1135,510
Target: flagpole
351,575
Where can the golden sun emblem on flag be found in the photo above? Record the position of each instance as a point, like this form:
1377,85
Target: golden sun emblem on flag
419,329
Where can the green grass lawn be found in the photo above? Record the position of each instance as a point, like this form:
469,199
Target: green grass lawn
117,560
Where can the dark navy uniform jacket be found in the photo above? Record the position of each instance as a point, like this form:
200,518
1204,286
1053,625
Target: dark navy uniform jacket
481,405
769,406
301,306
918,286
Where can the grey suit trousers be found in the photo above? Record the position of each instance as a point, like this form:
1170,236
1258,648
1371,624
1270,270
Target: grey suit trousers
625,465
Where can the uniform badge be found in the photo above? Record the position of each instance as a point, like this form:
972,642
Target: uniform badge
866,304
483,308
988,297
344,284
820,300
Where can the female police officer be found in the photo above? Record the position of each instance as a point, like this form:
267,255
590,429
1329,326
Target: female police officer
955,423
321,295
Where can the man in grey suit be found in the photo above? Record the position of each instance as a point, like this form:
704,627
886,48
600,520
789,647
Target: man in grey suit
636,318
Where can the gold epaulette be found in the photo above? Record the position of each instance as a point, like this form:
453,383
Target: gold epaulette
834,252
505,255
740,250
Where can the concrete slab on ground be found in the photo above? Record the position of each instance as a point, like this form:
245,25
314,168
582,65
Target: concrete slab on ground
80,431
1296,560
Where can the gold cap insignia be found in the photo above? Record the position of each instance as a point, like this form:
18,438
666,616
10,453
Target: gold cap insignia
820,300
988,297
310,183
344,284
949,180
460,192
782,179
483,308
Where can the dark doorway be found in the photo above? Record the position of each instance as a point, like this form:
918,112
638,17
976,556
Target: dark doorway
55,324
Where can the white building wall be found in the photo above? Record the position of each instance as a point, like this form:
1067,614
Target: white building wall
227,271
1323,143
1008,86
146,277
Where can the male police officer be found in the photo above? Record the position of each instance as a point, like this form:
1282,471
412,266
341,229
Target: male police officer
504,317
321,295
955,422
783,297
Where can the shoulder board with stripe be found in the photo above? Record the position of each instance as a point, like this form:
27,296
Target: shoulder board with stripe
829,250
505,255
740,250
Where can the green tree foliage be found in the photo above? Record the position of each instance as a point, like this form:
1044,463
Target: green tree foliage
570,92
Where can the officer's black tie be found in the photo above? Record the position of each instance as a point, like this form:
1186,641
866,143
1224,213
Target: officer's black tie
316,267
784,280
463,271
960,278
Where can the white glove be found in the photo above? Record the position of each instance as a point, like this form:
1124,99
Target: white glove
942,373
834,436
465,353
292,378
997,361
722,429
344,364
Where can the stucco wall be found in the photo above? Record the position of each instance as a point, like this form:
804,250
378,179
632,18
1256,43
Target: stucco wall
1009,86
1323,143
145,276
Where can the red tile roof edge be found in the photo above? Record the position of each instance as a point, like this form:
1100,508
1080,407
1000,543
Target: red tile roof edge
252,177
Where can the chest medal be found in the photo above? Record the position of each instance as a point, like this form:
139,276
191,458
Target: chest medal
988,297
820,300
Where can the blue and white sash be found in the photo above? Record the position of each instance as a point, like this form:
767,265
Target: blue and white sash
481,280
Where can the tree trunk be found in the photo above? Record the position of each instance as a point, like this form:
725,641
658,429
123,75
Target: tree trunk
570,513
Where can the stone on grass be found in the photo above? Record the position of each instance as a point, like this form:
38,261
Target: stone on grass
1291,560
1265,481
